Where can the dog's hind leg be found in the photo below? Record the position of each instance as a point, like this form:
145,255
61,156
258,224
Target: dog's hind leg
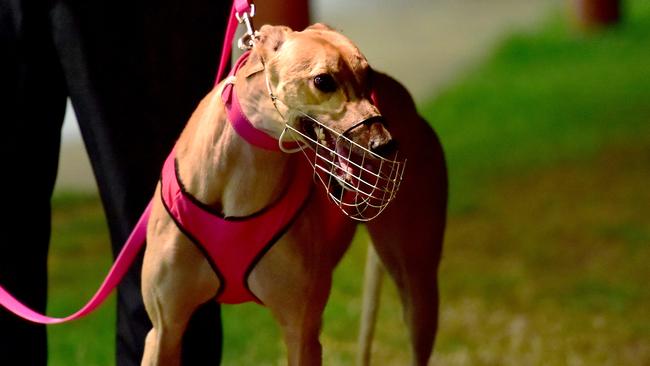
408,235
372,283
176,279
408,238
411,253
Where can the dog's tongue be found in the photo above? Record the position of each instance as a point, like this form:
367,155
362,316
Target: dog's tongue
347,169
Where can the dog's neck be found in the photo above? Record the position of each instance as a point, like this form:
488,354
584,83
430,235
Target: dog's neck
221,169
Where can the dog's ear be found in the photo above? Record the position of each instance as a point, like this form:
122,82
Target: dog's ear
269,40
320,26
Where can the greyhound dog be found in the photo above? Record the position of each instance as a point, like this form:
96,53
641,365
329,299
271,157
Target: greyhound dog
316,85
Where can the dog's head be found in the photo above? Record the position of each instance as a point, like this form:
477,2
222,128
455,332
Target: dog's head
318,82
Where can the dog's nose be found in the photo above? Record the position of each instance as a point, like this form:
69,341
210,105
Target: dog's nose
384,148
381,142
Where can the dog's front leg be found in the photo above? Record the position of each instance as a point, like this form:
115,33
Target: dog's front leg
293,280
176,279
300,320
296,299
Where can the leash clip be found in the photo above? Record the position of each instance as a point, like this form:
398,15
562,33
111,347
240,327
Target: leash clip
245,42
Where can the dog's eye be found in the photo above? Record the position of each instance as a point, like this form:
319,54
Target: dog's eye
325,83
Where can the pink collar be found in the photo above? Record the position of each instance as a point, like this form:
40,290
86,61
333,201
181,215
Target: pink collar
238,120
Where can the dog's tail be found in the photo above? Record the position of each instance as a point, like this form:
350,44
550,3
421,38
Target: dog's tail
373,278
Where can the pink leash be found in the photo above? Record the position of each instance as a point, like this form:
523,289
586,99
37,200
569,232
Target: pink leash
238,7
121,265
137,238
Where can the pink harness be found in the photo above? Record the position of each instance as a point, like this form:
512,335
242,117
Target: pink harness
233,246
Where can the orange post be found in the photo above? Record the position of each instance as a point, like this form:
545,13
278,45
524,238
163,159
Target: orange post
591,14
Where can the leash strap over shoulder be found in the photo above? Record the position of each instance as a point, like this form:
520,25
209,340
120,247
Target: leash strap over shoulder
122,263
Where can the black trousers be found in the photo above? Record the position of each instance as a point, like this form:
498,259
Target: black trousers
134,70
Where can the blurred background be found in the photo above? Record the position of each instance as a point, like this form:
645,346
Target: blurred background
543,108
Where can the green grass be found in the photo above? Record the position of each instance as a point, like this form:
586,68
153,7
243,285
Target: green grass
548,145
545,263
552,267
545,97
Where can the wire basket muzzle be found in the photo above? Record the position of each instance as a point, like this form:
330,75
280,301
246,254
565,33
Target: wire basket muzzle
360,182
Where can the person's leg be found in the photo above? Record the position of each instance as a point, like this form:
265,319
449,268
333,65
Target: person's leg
136,70
32,105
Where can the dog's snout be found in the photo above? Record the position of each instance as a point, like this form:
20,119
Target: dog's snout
384,147
381,142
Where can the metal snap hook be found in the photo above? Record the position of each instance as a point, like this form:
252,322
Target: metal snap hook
246,41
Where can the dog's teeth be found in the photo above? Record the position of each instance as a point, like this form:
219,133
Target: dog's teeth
320,134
